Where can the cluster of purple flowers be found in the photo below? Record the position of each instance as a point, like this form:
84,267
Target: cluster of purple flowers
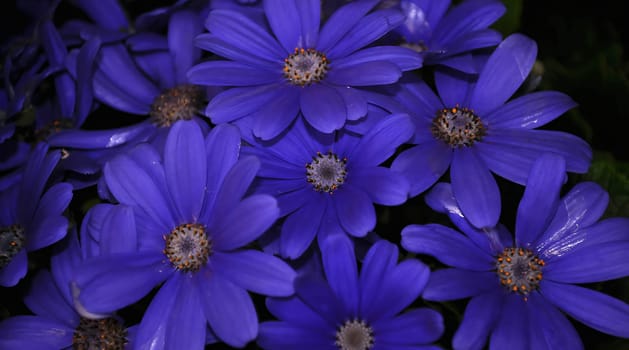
214,172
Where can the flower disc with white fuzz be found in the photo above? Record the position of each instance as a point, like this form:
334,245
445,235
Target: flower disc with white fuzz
188,247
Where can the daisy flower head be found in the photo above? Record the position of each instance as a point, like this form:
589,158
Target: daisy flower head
58,321
351,310
522,288
32,213
473,129
285,67
327,184
191,223
446,35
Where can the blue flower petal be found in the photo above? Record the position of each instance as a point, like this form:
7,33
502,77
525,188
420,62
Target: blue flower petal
400,288
119,83
294,311
479,318
339,263
405,58
447,245
415,327
186,169
355,210
182,28
454,88
287,336
379,261
232,189
575,150
325,117
228,73
236,103
153,327
278,113
255,271
109,283
228,308
381,142
244,223
33,332
12,273
540,200
555,246
591,263
222,146
317,294
342,21
135,185
423,165
301,226
382,185
368,29
579,209
186,323
530,111
512,332
365,74
475,188
503,73
44,299
468,16
471,41
241,32
596,310
355,102
455,283
550,329
48,224
284,17
235,52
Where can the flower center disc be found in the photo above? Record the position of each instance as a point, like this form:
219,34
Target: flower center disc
188,247
457,127
305,66
11,242
326,172
354,335
179,103
520,271
105,334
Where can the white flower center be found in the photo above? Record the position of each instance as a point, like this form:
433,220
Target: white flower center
305,66
188,247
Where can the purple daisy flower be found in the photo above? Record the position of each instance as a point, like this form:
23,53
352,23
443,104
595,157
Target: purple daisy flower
273,76
446,35
58,322
32,214
147,80
348,310
520,289
189,222
327,184
472,129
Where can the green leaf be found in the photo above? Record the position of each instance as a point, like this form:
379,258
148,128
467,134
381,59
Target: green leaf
613,176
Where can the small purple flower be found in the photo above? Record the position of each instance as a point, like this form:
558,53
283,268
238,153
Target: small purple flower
520,289
189,220
146,79
58,322
287,64
472,129
327,184
446,35
351,310
32,214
